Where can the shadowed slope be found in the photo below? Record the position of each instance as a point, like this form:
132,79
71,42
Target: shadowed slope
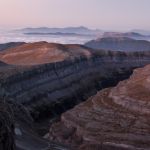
48,79
119,43
32,54
6,127
10,45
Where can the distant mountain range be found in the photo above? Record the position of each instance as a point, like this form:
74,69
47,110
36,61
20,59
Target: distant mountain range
67,30
133,35
119,44
144,32
81,30
58,34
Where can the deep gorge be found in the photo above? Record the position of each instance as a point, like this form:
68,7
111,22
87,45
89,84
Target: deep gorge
40,94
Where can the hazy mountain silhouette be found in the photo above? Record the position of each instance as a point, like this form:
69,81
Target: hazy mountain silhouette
77,30
141,31
119,43
133,35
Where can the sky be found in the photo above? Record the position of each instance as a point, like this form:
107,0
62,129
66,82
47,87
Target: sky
101,14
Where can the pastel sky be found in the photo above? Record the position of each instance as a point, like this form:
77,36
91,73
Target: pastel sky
103,14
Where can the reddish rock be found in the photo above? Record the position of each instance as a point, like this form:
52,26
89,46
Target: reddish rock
115,118
42,53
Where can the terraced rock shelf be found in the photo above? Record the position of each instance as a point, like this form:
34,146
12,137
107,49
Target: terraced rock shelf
115,118
47,79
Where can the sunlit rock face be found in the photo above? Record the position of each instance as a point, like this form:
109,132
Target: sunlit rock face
115,118
42,53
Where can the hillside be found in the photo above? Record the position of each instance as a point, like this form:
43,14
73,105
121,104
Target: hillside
119,44
115,118
43,80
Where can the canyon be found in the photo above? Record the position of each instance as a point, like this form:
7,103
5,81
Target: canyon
115,118
43,80
40,75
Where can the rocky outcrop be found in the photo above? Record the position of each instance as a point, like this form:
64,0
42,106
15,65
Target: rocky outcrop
119,43
115,118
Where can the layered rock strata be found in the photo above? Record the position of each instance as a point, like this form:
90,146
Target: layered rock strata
43,80
115,118
68,75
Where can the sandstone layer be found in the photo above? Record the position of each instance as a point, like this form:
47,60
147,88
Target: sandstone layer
115,118
43,80
50,78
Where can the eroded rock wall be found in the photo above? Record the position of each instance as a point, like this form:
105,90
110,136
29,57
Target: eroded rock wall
115,118
58,86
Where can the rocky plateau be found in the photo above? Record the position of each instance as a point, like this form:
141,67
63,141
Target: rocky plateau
41,80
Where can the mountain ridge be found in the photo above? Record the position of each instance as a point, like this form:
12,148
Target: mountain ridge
40,89
115,118
119,43
77,30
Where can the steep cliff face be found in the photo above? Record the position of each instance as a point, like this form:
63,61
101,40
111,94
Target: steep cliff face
119,43
115,118
54,87
43,80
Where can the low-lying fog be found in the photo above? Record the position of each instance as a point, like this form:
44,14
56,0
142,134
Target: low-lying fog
63,39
